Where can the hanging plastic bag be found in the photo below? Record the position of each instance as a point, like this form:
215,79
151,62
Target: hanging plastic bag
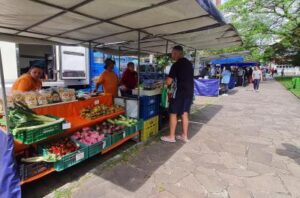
164,97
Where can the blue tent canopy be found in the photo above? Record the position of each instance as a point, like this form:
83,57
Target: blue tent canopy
244,64
237,59
209,7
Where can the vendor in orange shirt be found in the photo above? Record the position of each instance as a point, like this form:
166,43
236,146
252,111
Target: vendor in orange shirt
108,79
30,81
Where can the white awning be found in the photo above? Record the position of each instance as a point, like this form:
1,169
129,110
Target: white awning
196,24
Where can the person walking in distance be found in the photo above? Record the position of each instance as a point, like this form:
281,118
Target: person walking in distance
257,77
180,76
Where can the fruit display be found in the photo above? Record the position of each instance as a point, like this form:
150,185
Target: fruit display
123,121
109,128
62,147
96,111
88,136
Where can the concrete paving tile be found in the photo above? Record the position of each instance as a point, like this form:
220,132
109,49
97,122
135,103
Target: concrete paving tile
294,168
183,192
264,169
292,184
211,184
270,195
240,172
237,192
218,195
259,156
234,148
232,180
164,194
265,183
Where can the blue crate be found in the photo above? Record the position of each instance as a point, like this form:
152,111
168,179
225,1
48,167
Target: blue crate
149,111
149,100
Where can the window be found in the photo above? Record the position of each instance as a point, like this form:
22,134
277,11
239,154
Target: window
43,55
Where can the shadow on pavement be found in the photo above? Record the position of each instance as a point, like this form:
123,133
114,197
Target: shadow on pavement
137,171
232,92
131,175
290,151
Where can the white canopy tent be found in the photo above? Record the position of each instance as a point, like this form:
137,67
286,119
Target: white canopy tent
196,24
116,26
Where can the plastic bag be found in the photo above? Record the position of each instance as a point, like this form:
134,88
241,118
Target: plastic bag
164,97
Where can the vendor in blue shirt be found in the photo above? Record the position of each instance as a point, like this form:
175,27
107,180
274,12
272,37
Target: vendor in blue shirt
226,74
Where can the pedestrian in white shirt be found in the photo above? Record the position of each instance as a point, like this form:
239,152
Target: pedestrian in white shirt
257,77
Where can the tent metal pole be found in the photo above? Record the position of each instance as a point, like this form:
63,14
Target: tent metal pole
138,71
119,53
91,54
4,95
167,46
195,58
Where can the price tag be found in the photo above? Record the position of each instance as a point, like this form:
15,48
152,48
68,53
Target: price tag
96,102
66,125
104,144
124,134
79,156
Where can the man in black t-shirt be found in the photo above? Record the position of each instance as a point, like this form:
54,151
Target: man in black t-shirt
181,77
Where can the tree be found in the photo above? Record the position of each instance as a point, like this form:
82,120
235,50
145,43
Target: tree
269,28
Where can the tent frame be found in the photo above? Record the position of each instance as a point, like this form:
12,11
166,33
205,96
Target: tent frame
218,22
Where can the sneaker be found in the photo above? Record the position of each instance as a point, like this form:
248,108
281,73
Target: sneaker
225,95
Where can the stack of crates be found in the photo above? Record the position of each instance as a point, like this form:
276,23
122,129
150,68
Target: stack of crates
150,128
149,106
149,110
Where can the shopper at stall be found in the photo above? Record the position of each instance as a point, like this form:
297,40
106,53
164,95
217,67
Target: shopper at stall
129,80
205,71
257,77
108,79
226,75
241,73
250,75
30,81
181,77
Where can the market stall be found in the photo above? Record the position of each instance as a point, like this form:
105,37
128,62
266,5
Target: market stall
116,27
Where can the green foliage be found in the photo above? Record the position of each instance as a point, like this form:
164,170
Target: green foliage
163,61
287,83
269,28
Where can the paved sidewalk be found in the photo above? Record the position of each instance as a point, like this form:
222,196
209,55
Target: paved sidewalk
244,145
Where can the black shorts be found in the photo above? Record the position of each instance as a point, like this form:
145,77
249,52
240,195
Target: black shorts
180,105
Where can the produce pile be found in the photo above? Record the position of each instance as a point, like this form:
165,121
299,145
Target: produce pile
62,147
109,128
88,136
22,118
123,121
31,156
94,112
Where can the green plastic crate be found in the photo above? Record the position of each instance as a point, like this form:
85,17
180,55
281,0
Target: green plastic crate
116,137
72,159
140,125
99,146
107,142
96,148
130,130
36,135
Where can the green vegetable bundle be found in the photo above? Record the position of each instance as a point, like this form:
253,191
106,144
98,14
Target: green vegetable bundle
123,121
22,118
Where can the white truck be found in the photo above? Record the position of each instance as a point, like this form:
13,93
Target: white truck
64,65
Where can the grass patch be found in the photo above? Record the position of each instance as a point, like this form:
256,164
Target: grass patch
288,84
65,193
